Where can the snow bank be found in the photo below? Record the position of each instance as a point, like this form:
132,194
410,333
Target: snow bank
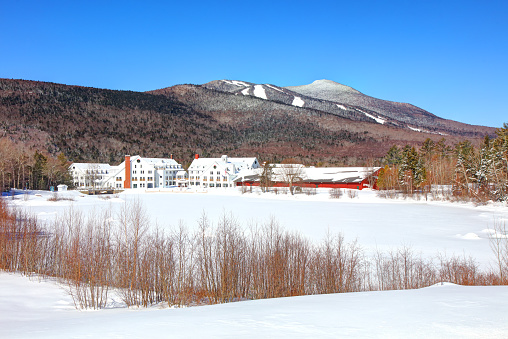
43,310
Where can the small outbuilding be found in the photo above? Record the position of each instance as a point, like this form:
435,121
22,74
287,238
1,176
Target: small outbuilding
61,188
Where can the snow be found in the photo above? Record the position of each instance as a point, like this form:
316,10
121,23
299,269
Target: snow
236,83
275,88
259,91
341,107
245,91
414,129
240,83
430,228
378,119
42,309
297,101
31,307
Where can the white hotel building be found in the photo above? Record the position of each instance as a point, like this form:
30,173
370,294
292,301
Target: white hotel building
134,172
218,172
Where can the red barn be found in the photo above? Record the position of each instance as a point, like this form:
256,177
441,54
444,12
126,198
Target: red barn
328,177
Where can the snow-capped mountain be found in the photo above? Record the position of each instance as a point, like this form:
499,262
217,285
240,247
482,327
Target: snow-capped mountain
341,100
286,96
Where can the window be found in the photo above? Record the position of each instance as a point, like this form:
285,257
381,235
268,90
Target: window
150,178
211,172
133,172
135,186
142,172
218,185
134,179
218,172
211,185
149,172
118,178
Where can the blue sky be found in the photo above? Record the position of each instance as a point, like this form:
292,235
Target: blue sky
448,57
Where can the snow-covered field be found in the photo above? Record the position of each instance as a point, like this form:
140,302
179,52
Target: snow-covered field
431,228
30,308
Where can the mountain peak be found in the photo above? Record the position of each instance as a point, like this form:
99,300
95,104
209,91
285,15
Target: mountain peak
324,85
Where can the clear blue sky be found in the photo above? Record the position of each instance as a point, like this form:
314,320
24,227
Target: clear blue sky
448,57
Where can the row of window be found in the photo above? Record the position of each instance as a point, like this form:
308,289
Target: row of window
142,179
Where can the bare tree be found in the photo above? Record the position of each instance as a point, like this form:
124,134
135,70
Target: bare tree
291,174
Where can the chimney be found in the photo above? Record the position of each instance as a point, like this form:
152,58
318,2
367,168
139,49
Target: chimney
127,181
171,156
196,156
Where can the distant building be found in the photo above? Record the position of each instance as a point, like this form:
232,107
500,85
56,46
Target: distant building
328,177
134,172
218,172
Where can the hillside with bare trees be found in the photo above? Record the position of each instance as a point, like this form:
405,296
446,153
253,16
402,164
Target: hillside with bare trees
90,124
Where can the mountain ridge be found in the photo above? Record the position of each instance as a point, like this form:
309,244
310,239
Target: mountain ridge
345,101
90,124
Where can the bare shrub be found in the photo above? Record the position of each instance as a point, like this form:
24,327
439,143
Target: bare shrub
352,194
56,197
335,193
309,190
402,269
337,266
243,189
498,239
461,271
387,194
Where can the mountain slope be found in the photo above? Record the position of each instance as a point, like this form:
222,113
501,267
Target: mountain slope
344,101
90,124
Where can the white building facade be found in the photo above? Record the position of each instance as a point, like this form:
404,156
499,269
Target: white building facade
218,172
134,172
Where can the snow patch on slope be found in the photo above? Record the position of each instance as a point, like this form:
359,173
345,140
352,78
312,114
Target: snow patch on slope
236,83
341,107
259,91
378,119
414,129
275,88
298,102
245,91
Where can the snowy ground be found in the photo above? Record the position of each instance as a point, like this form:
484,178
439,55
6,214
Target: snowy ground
33,309
431,228
29,308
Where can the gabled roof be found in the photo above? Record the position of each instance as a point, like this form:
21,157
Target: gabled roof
338,174
203,163
87,166
315,174
158,162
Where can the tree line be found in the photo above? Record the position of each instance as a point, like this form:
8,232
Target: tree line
23,168
476,172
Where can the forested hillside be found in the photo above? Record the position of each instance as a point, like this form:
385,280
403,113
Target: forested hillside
89,124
